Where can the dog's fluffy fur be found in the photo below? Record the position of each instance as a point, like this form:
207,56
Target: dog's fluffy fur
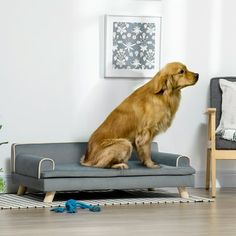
138,119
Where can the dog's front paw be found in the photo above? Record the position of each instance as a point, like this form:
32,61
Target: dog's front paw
120,166
152,165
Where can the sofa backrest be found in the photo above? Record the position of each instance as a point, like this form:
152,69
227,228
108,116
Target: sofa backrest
68,153
216,95
61,153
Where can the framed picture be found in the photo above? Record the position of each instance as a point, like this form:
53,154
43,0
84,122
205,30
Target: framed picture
132,46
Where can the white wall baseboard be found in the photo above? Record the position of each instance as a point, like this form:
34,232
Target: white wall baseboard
224,179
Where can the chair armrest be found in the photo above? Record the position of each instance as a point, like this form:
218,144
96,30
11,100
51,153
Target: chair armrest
31,165
210,111
170,159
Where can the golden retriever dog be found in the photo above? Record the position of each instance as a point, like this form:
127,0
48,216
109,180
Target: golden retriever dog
147,112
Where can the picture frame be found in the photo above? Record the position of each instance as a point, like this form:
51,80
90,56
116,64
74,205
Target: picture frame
132,46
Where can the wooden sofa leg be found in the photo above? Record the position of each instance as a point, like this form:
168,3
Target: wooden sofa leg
183,192
49,197
21,190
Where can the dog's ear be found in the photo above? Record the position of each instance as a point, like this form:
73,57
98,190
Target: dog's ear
163,82
170,83
159,83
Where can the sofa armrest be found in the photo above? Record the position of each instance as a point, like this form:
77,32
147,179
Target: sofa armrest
170,159
31,165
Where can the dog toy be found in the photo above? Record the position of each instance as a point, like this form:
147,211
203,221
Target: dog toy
71,206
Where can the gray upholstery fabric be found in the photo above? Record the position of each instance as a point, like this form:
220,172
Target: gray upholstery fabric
70,175
61,153
170,159
215,102
77,170
222,144
135,169
134,182
30,165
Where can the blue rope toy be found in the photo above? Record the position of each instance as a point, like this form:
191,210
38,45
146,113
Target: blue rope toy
71,206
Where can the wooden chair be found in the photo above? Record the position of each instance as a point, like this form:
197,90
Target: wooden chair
218,148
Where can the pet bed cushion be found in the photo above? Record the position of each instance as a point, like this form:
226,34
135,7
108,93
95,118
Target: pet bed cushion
135,169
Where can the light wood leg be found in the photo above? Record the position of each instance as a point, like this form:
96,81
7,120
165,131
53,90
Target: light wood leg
208,165
49,197
183,192
213,177
21,190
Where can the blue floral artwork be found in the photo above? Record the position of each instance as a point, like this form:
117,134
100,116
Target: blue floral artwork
133,45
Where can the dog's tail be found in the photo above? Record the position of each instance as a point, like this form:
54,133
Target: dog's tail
83,163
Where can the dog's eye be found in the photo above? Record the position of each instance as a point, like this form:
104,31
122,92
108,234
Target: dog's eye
181,72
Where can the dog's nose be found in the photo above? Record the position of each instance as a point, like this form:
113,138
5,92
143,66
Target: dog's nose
196,75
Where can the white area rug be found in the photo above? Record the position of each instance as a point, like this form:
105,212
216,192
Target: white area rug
106,198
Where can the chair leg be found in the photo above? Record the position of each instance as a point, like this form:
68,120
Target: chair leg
213,176
208,165
49,197
183,192
21,190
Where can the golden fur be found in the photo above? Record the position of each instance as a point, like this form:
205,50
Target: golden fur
138,119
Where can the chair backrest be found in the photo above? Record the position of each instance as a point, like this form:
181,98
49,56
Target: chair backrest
216,95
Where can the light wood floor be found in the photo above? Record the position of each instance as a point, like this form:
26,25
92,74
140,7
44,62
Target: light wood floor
192,219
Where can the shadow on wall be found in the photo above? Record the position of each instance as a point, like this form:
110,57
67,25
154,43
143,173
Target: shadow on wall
199,147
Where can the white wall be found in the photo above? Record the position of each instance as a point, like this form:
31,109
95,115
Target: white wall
51,69
199,33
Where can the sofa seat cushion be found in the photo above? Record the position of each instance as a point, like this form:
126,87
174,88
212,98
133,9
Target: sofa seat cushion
135,169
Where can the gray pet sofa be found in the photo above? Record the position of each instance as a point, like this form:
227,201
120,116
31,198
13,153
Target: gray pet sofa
52,167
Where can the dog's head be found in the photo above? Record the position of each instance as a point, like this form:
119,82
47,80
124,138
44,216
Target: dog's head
173,77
